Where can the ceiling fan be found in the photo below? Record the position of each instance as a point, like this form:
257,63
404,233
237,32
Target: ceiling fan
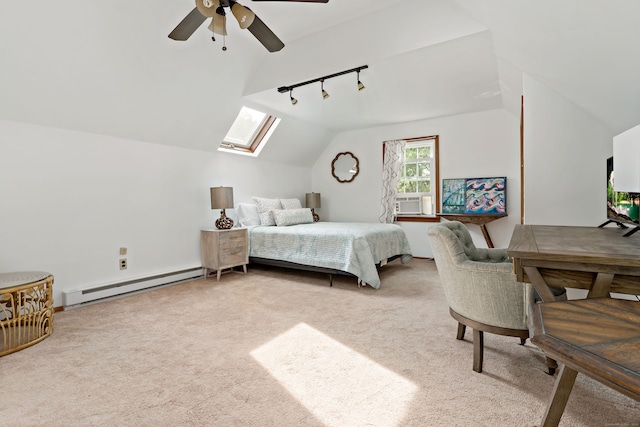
214,9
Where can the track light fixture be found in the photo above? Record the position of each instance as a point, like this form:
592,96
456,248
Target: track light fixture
325,94
360,85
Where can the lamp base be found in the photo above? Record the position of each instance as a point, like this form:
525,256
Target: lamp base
224,223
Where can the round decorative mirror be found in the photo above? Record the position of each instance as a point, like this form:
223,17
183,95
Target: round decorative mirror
345,167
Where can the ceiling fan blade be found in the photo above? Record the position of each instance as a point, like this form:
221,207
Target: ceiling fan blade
188,25
300,1
265,35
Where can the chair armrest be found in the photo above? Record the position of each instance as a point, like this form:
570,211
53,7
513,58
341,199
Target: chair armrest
488,267
492,255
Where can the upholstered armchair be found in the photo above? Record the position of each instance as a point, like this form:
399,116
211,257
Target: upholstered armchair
480,287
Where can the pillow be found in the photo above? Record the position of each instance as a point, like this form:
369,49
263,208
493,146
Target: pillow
247,214
292,216
291,203
265,206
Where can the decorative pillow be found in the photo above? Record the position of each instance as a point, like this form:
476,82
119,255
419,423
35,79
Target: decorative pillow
247,214
292,216
265,206
291,203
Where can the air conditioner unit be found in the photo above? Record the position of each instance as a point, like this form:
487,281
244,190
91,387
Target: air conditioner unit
408,205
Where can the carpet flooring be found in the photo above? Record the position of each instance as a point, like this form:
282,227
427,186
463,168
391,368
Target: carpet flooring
279,347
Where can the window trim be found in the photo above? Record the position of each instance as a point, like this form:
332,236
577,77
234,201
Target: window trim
257,139
435,217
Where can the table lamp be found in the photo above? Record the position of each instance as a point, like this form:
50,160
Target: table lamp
222,198
313,201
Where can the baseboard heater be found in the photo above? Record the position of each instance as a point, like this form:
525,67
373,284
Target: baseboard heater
70,299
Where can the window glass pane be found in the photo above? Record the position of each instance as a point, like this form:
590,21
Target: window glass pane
424,169
424,186
410,187
245,127
424,152
410,153
411,170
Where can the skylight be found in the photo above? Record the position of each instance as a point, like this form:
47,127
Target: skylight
249,132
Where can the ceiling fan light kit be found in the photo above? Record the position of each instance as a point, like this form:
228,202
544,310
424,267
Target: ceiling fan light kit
325,94
214,9
219,22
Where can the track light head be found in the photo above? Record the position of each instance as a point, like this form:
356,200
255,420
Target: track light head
360,85
325,94
293,100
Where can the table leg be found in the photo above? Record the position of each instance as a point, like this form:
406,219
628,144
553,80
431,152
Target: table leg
485,233
601,285
560,396
539,283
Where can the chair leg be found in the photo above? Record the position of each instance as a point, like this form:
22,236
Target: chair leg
552,365
523,341
461,330
478,350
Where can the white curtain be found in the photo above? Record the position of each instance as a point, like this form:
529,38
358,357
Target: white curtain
393,160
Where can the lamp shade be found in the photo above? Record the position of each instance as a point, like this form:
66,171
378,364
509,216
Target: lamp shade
626,161
313,200
221,197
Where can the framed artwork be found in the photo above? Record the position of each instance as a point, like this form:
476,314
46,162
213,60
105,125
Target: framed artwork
482,196
453,198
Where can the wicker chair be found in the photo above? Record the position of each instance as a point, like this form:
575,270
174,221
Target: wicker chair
480,287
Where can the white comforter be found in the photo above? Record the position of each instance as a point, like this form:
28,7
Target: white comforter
352,247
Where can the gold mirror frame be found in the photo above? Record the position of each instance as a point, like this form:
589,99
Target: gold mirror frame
350,174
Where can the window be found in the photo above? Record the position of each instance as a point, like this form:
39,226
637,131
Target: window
418,189
249,132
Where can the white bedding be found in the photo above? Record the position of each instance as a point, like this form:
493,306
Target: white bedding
352,247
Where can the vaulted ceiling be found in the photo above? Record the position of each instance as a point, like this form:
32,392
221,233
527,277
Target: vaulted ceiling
108,67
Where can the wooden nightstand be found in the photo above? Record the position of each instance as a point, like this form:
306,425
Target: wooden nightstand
221,249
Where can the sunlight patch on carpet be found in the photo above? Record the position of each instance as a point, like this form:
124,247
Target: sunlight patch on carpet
337,384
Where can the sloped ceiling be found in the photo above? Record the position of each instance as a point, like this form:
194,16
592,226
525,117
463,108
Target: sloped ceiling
108,67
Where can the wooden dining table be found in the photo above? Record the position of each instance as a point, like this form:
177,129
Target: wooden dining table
598,337
599,260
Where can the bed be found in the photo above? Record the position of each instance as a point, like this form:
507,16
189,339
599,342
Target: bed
290,238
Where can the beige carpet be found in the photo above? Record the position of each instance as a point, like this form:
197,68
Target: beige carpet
282,348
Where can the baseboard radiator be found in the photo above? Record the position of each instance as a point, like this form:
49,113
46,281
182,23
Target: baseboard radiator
75,298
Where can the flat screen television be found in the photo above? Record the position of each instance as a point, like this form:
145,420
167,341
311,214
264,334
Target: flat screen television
622,208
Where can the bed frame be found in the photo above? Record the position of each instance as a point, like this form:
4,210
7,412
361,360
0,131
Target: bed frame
296,266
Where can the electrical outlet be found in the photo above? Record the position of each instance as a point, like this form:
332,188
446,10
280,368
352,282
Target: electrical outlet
123,263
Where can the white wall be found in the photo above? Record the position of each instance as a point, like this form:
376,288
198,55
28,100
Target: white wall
471,145
69,200
565,160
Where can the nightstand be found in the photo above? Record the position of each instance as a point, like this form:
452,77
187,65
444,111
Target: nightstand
222,249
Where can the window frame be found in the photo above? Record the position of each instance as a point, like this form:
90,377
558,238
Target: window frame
261,136
435,181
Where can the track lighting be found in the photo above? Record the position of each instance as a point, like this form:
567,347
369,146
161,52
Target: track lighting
325,94
360,85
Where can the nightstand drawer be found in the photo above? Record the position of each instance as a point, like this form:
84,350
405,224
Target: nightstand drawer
233,257
233,239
